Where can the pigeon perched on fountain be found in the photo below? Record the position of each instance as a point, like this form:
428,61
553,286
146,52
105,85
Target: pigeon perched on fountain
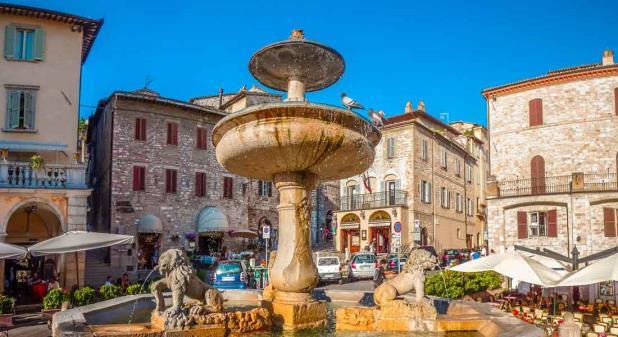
377,117
350,103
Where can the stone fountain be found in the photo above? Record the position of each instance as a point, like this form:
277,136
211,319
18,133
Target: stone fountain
296,144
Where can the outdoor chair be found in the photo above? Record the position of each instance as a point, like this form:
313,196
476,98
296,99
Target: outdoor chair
579,316
607,320
592,334
538,313
526,310
615,318
614,330
599,327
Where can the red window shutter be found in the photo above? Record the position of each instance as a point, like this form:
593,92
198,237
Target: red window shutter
552,223
200,189
172,133
143,129
136,178
175,134
202,139
169,133
616,101
174,180
535,112
167,181
609,222
198,138
138,128
522,225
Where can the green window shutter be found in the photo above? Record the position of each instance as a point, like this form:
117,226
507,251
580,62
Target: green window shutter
30,104
10,34
13,109
39,44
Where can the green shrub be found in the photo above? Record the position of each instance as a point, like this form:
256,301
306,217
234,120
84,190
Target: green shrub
110,291
84,296
454,285
54,299
6,305
134,289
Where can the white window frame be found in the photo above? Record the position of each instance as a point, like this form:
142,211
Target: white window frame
23,42
23,91
444,159
469,210
537,224
265,188
425,192
458,203
469,173
445,197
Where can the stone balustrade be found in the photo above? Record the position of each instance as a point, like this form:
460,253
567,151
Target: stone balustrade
52,176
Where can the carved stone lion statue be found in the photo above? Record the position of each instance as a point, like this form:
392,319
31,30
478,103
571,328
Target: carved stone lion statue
180,278
412,277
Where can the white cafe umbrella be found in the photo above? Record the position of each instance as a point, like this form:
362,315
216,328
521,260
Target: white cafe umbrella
514,265
8,251
603,270
78,241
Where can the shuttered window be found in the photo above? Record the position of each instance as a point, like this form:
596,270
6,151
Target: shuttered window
424,150
200,184
201,138
228,187
21,104
535,112
172,133
24,43
265,188
609,222
139,178
537,175
390,147
140,129
171,179
522,225
425,191
444,159
616,101
552,223
458,203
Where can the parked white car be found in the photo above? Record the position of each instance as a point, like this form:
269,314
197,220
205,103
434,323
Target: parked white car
329,269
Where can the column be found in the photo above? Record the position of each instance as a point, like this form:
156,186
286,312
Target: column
76,221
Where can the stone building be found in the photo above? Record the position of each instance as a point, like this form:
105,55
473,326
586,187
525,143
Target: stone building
554,153
155,175
423,179
42,178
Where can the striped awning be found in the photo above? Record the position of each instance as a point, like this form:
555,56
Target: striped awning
379,224
16,145
149,224
212,219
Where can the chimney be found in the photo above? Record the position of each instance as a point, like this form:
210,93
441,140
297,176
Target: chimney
408,107
608,57
421,105
220,97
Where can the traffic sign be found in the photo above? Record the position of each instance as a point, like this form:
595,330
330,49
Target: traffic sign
397,227
396,235
266,232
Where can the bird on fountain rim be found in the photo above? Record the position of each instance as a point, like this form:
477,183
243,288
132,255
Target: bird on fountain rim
350,103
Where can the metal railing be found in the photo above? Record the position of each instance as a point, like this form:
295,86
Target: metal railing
374,200
576,182
22,175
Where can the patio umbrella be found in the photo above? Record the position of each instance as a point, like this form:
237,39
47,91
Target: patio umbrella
244,233
603,270
78,241
514,265
8,251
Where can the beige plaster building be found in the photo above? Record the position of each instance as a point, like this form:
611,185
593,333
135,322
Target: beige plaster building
41,74
423,178
554,147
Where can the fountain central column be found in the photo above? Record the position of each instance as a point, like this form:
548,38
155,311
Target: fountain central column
293,273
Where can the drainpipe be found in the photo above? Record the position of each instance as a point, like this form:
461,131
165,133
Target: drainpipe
433,202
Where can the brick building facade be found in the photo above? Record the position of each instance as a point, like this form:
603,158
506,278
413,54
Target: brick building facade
554,147
155,175
424,178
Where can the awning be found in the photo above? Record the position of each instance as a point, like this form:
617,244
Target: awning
350,225
16,145
379,224
244,233
149,224
212,219
8,251
78,241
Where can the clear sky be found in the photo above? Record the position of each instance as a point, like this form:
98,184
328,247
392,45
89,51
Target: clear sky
443,52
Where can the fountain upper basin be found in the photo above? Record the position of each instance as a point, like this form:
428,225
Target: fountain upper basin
263,140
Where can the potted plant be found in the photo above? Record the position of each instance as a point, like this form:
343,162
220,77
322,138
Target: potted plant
83,296
52,303
7,304
110,291
36,162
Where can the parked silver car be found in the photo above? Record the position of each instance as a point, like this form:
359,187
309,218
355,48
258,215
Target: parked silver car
361,266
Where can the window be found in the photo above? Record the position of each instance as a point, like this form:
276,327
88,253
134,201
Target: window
264,188
609,222
535,112
24,43
424,150
202,138
390,147
228,187
200,184
616,101
21,105
469,207
171,179
140,129
469,173
537,224
458,167
458,203
445,197
139,178
172,133
444,159
425,192
458,233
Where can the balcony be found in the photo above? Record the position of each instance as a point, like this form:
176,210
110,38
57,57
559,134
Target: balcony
51,176
576,182
374,200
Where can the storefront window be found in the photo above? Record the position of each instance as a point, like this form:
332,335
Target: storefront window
149,250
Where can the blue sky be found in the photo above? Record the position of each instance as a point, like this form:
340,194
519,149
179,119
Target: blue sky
444,52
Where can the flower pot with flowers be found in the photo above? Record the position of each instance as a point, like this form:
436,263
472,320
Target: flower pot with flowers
7,310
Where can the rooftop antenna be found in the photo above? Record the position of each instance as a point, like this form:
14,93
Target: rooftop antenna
444,117
147,81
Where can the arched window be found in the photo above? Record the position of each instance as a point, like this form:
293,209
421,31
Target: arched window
535,112
537,175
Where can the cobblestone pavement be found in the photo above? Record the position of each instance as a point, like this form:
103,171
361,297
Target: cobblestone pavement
36,330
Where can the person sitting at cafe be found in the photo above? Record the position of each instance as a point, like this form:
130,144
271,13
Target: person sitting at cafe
53,283
34,279
109,280
125,281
